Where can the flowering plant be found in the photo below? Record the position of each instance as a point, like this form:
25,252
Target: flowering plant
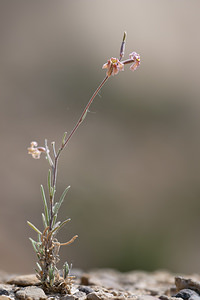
47,246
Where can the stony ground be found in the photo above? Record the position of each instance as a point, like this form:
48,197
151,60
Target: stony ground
106,284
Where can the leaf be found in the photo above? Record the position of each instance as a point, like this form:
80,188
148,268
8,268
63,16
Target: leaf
44,221
56,227
54,220
65,270
34,228
39,267
45,205
61,200
34,244
55,208
49,181
63,223
47,154
51,276
52,192
84,115
39,238
64,138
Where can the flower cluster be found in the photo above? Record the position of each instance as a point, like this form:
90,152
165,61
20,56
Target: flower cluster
36,151
114,65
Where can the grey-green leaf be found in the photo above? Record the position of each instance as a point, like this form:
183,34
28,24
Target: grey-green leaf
44,221
65,270
64,138
38,265
55,208
45,205
34,228
34,244
49,181
61,200
54,220
63,223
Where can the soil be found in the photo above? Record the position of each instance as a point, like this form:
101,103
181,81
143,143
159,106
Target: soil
106,284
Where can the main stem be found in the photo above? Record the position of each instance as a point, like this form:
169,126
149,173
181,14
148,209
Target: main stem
80,120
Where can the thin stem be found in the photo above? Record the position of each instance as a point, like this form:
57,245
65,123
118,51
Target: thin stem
55,166
76,127
84,112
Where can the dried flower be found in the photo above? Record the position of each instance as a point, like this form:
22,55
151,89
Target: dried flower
114,66
35,151
136,60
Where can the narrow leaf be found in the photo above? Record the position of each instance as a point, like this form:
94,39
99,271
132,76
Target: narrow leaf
34,228
61,199
39,238
45,205
52,192
49,181
54,148
44,220
54,220
56,227
63,223
38,265
55,208
65,270
47,154
34,243
64,138
84,115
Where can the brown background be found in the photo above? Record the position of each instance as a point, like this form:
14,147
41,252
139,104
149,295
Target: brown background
134,165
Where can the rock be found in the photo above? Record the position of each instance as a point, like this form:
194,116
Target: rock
85,289
5,298
147,297
76,296
188,294
69,297
3,292
93,296
183,283
24,280
80,295
109,284
5,289
31,293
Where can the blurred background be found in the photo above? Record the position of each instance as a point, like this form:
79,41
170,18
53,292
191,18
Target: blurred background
134,164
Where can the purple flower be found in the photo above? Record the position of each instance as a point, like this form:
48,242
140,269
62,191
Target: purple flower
114,66
136,60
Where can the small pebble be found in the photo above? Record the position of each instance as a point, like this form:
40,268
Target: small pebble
24,280
4,292
187,294
69,297
85,289
93,296
147,297
80,295
31,292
